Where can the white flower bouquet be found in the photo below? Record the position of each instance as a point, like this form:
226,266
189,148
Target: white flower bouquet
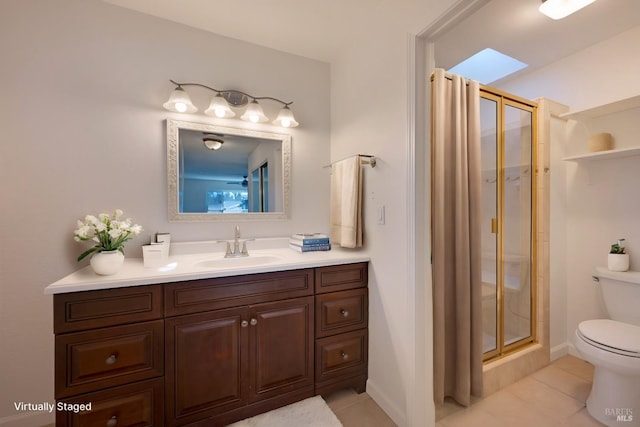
107,231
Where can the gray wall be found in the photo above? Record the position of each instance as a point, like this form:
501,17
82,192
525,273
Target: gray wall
82,131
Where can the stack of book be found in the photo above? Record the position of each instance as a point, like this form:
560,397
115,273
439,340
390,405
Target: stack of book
309,242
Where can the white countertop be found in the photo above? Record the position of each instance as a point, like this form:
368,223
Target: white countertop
183,266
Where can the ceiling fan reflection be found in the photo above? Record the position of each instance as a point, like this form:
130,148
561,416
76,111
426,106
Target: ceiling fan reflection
243,183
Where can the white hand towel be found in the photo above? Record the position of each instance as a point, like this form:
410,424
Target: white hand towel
346,203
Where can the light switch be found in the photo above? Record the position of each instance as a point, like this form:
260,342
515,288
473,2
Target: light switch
381,214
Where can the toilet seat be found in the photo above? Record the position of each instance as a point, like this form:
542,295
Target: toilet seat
609,335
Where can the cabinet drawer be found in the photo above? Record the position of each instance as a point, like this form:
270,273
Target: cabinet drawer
92,360
138,404
341,355
225,292
98,309
340,312
341,277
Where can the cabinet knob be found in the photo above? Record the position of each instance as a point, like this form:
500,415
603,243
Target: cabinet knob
113,421
345,313
111,360
254,322
244,323
344,355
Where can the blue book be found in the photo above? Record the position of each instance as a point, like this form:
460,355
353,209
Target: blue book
311,248
301,239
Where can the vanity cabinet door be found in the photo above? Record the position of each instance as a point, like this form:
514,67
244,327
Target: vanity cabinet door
93,360
341,355
206,363
341,277
281,347
90,310
340,312
137,404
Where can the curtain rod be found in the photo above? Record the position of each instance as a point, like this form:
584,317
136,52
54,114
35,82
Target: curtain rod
370,160
448,77
492,90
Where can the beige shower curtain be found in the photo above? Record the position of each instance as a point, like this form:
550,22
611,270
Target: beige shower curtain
455,228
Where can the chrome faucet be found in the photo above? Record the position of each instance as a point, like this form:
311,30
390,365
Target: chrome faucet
239,245
236,240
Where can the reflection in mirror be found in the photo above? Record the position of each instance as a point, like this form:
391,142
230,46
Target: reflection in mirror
223,173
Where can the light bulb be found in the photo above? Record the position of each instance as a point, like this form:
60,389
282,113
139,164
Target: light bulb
219,107
285,118
180,102
254,113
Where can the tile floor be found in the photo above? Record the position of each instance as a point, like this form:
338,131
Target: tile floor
552,397
357,410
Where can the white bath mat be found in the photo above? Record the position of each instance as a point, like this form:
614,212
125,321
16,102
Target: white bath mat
311,412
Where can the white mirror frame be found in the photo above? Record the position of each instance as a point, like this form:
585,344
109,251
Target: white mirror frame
173,128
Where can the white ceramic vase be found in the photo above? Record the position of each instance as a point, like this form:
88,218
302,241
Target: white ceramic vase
106,263
618,262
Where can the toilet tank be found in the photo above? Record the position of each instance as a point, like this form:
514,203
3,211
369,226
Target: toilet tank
621,294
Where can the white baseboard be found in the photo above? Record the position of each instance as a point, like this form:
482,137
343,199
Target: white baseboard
558,351
30,419
396,414
573,351
563,349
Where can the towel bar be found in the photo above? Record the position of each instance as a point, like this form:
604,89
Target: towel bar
367,160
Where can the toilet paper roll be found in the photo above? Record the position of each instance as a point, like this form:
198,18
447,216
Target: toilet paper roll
600,142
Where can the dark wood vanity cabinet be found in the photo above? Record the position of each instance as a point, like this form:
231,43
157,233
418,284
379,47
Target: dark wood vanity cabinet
342,306
109,351
227,359
212,351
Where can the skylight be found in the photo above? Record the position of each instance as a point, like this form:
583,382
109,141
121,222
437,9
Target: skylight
487,66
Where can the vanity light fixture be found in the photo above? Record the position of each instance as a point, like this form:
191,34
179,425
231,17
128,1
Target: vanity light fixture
558,9
180,102
254,113
222,102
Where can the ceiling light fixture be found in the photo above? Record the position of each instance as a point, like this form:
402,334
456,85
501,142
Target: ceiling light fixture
558,9
212,143
222,102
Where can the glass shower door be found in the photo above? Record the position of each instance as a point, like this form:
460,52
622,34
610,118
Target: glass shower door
489,153
508,194
517,223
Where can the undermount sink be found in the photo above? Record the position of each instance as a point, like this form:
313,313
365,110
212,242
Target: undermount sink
239,262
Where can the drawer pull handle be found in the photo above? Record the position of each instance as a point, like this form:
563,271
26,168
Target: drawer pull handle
244,323
345,313
254,322
111,360
113,421
344,355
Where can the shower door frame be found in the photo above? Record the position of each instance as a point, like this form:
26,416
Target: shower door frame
502,100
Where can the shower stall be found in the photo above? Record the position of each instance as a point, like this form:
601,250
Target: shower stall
508,222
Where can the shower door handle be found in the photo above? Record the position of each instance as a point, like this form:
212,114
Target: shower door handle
494,225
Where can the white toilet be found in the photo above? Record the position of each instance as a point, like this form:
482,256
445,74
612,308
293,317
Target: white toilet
613,347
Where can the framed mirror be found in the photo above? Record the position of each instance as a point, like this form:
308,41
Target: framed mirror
219,173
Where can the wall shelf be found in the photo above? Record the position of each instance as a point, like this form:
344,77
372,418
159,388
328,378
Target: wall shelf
608,154
601,110
598,111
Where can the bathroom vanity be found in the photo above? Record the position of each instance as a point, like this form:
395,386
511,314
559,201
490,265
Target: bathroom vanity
208,350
